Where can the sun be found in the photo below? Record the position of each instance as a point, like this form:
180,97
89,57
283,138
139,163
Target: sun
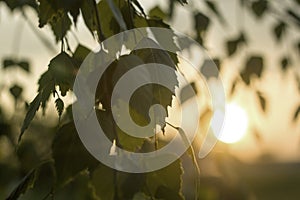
235,124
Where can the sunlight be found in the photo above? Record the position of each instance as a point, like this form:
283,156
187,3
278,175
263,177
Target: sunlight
235,124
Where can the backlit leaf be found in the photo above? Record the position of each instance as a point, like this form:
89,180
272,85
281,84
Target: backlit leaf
70,156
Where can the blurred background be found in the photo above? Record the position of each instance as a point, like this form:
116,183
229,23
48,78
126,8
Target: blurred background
256,46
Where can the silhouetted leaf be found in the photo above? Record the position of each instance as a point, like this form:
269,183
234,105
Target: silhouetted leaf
164,180
285,62
60,25
294,15
46,88
212,6
297,1
16,91
8,63
254,66
46,12
259,7
279,30
201,22
33,108
157,12
117,14
63,69
296,115
232,45
26,184
59,104
262,101
70,156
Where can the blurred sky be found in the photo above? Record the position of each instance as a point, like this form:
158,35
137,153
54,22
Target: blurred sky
279,135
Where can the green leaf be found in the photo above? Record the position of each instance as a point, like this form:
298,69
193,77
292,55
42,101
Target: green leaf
46,11
33,108
89,15
278,30
157,12
46,88
80,54
259,7
60,25
63,69
26,183
102,180
59,104
168,178
69,154
117,14
16,91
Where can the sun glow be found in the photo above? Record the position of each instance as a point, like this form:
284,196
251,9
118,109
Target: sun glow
235,124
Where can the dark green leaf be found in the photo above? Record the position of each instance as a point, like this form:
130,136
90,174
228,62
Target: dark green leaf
33,108
80,54
102,180
59,104
201,22
60,25
294,15
63,69
70,156
46,12
285,62
24,65
46,88
26,184
89,15
16,91
254,66
232,45
297,112
8,63
212,6
168,178
157,12
279,30
259,7
262,101
117,14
